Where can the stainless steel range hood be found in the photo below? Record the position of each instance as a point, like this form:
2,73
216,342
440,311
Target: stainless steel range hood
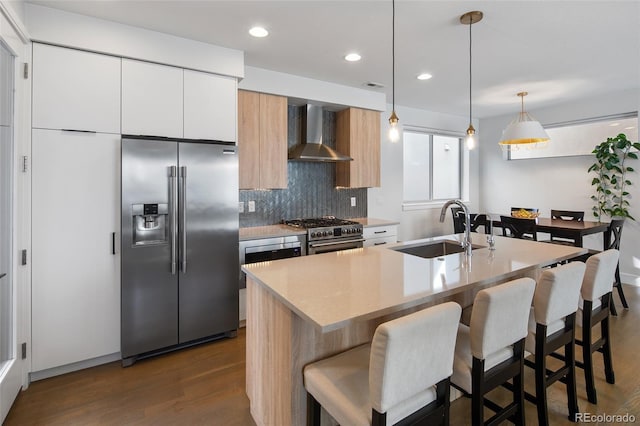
312,148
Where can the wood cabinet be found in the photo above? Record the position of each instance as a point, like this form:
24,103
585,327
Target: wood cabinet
379,235
358,135
76,90
262,140
75,267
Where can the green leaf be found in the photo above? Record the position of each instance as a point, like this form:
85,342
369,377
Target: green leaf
632,155
636,145
630,169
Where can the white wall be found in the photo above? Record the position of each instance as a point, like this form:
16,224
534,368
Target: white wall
386,202
307,89
559,183
98,35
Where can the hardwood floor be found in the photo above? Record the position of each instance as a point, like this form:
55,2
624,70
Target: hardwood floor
205,385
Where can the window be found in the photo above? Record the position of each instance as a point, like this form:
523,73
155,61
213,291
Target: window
432,167
580,137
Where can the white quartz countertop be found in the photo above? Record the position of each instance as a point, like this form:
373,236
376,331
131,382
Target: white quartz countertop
269,231
372,221
279,230
334,289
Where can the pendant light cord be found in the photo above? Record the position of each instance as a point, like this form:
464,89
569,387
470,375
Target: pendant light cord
393,54
470,73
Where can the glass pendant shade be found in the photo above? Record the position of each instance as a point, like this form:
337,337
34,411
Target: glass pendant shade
470,140
394,131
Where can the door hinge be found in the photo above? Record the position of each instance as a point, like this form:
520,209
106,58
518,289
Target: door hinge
23,254
24,350
25,164
26,70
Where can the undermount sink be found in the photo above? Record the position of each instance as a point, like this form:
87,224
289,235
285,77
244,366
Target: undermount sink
434,248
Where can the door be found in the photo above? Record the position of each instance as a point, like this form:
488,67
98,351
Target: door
10,380
208,211
149,281
75,264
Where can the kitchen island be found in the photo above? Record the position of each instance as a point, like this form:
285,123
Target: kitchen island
307,308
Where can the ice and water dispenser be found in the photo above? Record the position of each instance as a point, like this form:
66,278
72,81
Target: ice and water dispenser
150,224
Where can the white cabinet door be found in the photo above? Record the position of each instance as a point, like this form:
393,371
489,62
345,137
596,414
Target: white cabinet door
76,276
77,90
210,106
152,97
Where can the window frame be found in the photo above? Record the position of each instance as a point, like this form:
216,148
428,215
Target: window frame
463,169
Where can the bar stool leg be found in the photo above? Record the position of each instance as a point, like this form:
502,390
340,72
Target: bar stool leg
541,385
587,356
477,392
572,397
606,352
313,411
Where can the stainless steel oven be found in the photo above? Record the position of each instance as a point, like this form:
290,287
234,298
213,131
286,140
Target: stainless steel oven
327,234
317,247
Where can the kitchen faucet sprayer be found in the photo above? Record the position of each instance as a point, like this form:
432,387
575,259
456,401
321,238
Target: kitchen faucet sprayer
466,242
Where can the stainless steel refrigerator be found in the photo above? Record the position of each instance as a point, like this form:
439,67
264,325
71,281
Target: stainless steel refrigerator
179,244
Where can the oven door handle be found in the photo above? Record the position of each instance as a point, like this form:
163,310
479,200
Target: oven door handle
335,243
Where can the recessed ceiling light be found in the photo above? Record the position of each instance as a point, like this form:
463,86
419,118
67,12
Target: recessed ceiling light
353,57
424,76
614,124
629,128
258,32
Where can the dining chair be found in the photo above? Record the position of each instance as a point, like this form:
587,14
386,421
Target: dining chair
477,220
551,327
490,351
401,378
595,291
558,237
515,227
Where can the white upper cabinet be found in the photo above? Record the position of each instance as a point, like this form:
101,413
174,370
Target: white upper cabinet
75,90
210,104
152,99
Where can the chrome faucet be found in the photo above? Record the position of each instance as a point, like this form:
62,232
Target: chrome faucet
490,240
466,242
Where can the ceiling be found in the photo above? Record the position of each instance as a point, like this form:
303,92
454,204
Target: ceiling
556,50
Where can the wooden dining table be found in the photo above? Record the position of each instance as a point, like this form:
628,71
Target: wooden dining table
572,229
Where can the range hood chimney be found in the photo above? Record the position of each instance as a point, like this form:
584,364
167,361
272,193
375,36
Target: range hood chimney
312,148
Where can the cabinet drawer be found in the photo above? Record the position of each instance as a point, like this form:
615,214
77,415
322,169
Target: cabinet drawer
380,231
370,242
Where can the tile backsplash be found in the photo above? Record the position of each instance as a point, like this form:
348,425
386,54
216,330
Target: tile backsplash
311,191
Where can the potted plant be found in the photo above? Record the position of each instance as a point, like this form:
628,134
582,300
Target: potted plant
611,181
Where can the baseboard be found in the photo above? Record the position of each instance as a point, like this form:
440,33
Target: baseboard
630,279
81,365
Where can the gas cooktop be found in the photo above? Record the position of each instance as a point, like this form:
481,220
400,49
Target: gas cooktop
318,222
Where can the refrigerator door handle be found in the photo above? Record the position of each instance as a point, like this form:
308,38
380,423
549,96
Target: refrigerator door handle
183,219
173,209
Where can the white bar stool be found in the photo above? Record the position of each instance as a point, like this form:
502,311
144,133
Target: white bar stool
491,350
400,378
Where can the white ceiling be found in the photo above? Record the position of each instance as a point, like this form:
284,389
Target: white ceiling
555,50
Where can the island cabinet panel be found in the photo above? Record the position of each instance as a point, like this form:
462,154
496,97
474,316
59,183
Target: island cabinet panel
152,99
75,264
209,106
75,90
262,140
358,135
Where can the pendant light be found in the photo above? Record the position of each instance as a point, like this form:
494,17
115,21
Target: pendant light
469,19
394,132
523,131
